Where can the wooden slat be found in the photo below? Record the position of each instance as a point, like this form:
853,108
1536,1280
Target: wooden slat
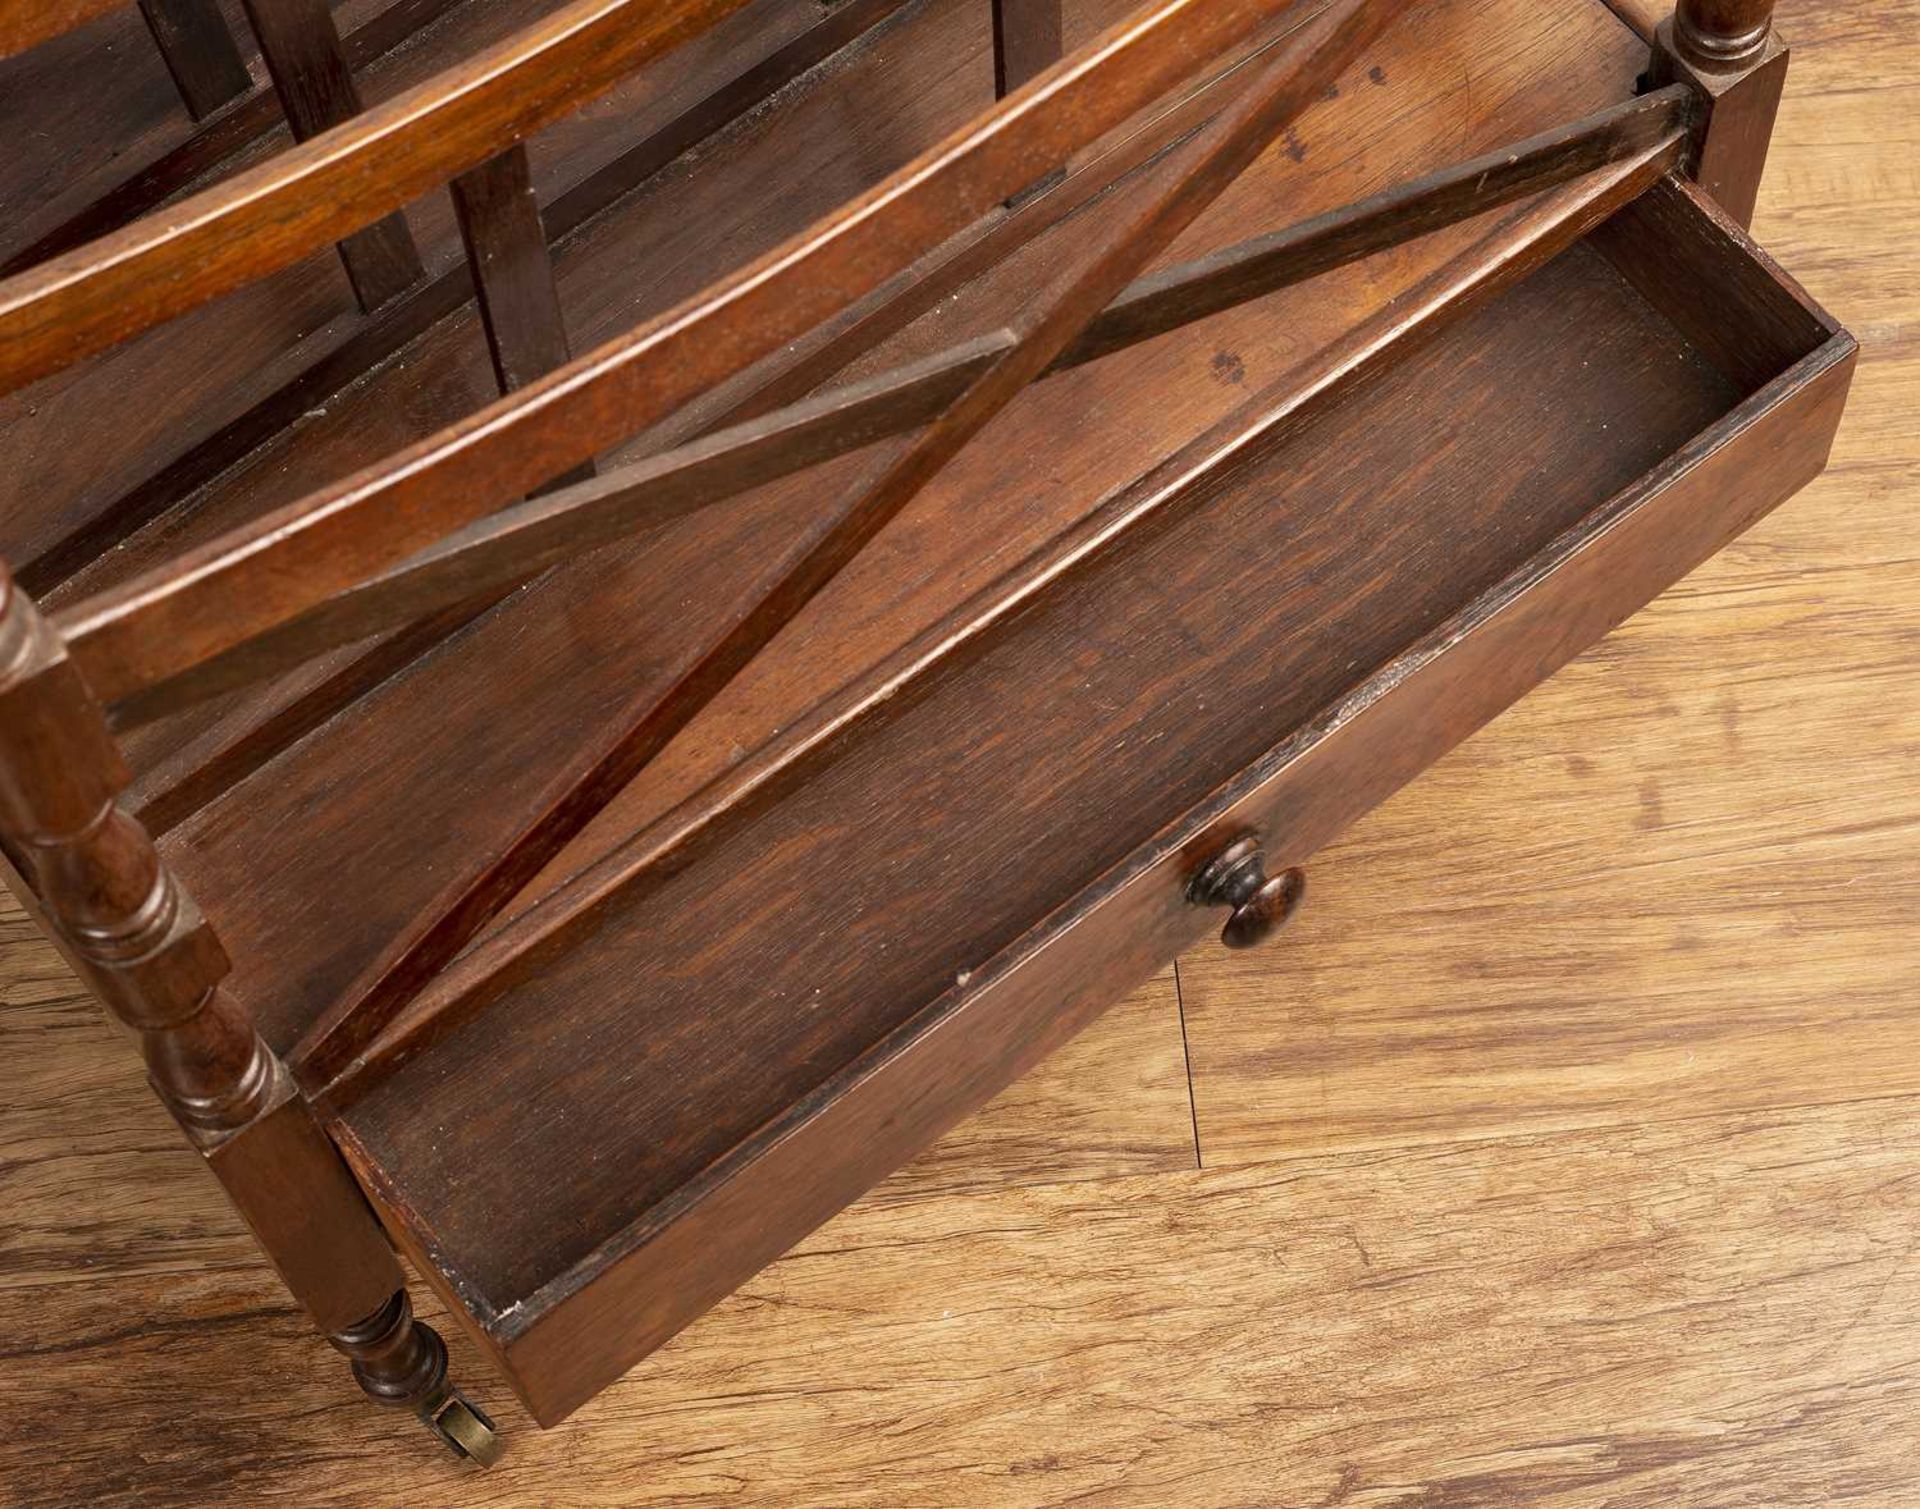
1171,297
516,543
519,542
199,51
302,49
325,189
512,273
1026,41
426,303
295,557
217,141
1296,75
190,770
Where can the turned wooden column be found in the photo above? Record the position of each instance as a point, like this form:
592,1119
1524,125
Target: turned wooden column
1722,33
1728,51
92,879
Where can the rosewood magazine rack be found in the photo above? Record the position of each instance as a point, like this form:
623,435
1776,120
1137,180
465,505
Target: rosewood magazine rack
583,720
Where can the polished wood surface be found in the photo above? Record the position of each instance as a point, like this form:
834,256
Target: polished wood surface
266,572
731,1122
317,91
1689,1202
268,217
200,52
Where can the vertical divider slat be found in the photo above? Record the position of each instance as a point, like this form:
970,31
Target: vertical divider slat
199,52
512,266
302,49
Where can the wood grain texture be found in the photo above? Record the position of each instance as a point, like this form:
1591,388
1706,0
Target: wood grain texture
1713,1313
268,217
317,90
771,1072
27,23
294,557
1696,891
200,52
903,584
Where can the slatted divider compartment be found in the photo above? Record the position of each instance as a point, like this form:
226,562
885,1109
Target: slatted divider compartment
791,981
597,724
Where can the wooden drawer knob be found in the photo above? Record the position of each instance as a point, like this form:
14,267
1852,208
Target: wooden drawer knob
1237,877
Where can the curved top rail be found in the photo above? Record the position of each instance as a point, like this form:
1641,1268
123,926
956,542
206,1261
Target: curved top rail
264,573
28,23
331,185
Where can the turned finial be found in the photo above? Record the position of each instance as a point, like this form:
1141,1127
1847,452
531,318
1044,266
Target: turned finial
1722,34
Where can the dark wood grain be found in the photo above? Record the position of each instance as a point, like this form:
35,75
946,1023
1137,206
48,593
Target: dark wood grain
27,23
614,876
188,765
1727,53
297,556
317,90
834,828
206,66
91,876
1425,204
219,141
542,691
1746,313
735,90
512,273
320,191
1464,1273
516,543
1296,75
1026,41
511,266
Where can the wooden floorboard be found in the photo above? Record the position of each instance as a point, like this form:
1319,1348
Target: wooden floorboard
1719,1311
1566,1152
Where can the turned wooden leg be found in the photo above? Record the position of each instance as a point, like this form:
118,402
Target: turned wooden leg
402,1361
1728,51
88,873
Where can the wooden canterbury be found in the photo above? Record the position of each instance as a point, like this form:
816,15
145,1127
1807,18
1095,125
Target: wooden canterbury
733,389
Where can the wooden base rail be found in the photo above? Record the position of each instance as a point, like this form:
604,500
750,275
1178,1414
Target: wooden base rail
518,542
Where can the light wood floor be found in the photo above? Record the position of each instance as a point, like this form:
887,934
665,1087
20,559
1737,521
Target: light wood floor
1568,1154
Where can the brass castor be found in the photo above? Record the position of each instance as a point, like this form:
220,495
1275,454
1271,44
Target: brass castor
399,1360
464,1427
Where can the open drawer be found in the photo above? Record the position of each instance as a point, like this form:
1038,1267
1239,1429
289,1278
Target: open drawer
718,1032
